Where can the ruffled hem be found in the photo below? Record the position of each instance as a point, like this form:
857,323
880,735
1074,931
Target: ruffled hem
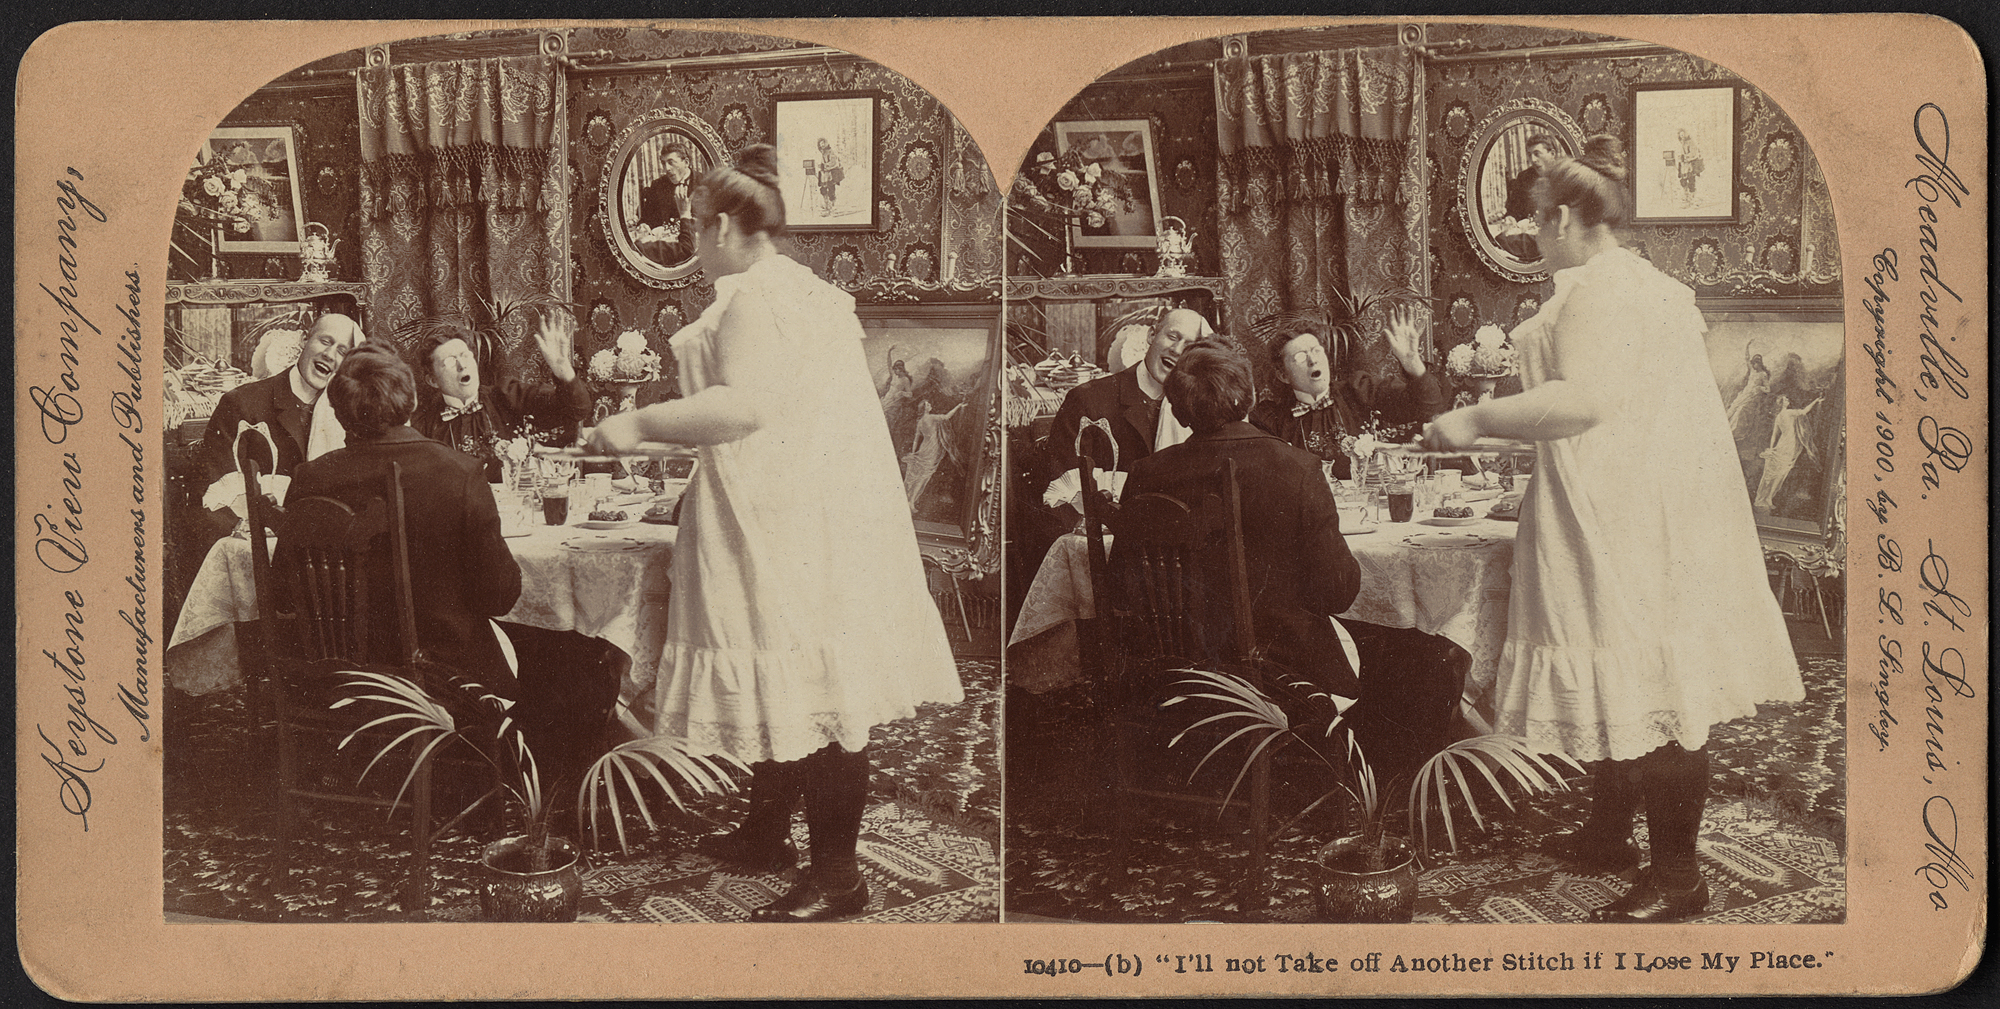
1621,703
766,704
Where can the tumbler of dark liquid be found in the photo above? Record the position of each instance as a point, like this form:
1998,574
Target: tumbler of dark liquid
1402,501
555,510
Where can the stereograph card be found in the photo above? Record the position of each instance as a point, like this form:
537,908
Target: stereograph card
1822,181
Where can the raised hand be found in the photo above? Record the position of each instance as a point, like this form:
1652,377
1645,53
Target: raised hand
1405,339
557,340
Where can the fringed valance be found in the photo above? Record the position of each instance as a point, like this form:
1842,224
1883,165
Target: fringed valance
1317,124
449,135
502,178
1368,171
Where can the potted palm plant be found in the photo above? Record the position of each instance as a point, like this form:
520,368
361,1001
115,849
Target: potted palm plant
532,876
1368,875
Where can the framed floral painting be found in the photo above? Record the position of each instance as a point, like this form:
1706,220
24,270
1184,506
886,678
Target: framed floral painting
245,181
1117,174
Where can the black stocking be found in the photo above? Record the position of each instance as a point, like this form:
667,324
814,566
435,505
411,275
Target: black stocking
836,791
1614,798
1675,782
774,790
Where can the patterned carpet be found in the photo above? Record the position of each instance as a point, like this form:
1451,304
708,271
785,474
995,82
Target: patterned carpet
928,846
1773,834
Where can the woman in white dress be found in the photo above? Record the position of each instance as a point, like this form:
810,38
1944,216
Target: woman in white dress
800,616
1641,615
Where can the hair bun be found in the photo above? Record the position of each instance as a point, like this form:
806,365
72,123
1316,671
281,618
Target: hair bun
760,162
1606,155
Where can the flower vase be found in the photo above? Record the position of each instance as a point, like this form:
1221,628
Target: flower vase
1486,384
627,398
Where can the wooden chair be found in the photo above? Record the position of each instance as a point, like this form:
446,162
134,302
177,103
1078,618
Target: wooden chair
1163,623
1095,635
328,630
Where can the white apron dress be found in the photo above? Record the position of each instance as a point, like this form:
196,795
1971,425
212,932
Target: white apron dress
1640,612
800,614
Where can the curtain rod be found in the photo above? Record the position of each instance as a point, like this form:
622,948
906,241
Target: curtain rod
575,63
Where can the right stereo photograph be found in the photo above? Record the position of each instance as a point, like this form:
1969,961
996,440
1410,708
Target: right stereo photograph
1425,490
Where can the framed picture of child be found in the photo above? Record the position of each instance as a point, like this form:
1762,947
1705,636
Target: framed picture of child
828,158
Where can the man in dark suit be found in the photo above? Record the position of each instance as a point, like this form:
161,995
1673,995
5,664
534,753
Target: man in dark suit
461,572
1301,572
1542,152
1129,401
283,403
664,206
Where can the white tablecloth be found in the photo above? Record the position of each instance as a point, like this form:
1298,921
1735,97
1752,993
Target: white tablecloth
1451,582
605,584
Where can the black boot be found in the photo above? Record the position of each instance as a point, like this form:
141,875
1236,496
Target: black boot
836,793
763,843
1675,784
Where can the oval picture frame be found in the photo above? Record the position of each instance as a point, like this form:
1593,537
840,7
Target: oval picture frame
1489,173
637,208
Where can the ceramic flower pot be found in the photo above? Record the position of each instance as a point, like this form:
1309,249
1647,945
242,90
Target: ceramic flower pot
1353,891
512,890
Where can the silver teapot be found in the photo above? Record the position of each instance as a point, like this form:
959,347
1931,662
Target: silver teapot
1176,248
316,254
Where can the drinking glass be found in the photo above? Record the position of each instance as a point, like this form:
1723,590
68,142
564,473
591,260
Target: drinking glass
1401,502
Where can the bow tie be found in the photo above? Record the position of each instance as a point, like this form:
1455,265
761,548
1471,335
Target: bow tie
461,410
1300,409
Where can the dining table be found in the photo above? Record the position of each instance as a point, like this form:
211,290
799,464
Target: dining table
610,582
1448,578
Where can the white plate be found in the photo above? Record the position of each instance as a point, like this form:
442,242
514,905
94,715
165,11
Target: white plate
1360,530
514,534
599,524
1435,521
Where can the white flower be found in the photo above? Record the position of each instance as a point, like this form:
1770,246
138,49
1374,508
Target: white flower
1093,171
1459,360
1066,180
1094,219
603,364
631,342
237,178
1489,335
226,201
212,186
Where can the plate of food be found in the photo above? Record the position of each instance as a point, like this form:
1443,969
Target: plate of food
662,513
607,519
1451,515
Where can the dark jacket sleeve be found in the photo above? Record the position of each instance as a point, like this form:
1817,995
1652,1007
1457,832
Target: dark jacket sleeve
1062,436
552,404
1411,399
218,440
1331,575
491,573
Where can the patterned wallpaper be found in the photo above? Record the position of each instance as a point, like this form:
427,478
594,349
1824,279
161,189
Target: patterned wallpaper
938,205
1783,247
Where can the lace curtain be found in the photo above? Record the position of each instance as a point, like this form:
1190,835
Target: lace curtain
462,198
1318,181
